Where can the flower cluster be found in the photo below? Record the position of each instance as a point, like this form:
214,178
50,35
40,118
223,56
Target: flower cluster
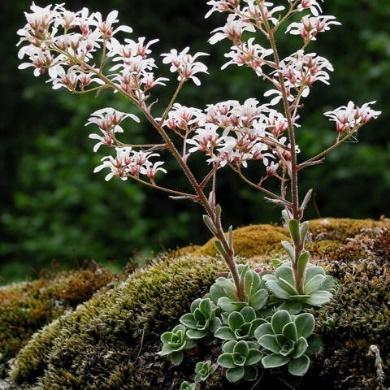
68,45
300,71
234,133
108,120
185,64
350,117
310,26
129,163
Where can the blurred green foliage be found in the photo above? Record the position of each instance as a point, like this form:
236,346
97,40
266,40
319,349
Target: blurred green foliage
54,207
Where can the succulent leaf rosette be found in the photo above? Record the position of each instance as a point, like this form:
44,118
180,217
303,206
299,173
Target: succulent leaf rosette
202,320
286,340
317,286
224,293
187,386
240,358
239,325
175,343
203,370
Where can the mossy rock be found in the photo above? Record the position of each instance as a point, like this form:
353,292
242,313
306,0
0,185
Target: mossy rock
250,241
110,342
26,307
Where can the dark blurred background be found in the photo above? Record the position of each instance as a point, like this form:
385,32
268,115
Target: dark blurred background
56,212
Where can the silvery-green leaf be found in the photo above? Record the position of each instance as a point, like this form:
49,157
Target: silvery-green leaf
248,313
305,324
229,346
235,320
242,348
303,261
196,334
274,360
235,374
285,272
289,249
299,367
328,284
315,344
293,227
224,333
226,360
279,320
254,356
290,331
205,307
304,228
229,305
176,358
250,374
313,284
259,299
263,329
269,342
300,347
291,307
278,291
319,298
188,320
289,288
312,271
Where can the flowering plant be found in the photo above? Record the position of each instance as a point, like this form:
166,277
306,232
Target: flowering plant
84,52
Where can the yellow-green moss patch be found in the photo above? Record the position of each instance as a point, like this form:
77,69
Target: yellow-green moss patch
26,307
250,241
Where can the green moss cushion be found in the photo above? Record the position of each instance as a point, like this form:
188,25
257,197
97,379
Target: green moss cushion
26,307
110,342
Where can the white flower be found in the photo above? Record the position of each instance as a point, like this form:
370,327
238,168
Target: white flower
185,64
183,118
108,120
233,30
310,26
151,169
205,139
106,26
312,5
222,6
253,12
249,54
128,162
350,117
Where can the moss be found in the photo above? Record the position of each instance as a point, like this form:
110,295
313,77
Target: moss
341,229
250,241
26,307
110,342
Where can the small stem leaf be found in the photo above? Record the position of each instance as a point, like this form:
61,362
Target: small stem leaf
304,228
221,250
293,227
289,249
302,262
230,237
218,211
306,199
210,225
